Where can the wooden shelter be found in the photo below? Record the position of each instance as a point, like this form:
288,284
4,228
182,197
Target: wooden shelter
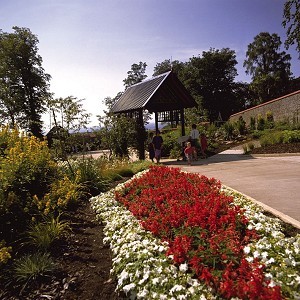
164,95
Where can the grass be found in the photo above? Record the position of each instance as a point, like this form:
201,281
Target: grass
32,266
43,234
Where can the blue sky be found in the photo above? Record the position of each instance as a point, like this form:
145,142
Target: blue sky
88,46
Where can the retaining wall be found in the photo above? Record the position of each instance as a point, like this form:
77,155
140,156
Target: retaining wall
285,108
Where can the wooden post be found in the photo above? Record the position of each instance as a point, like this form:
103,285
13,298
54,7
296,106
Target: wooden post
156,121
141,135
182,131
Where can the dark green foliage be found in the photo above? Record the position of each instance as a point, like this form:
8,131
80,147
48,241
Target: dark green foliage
269,68
23,83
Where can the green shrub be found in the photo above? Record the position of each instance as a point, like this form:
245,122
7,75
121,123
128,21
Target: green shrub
170,142
241,126
269,120
252,123
64,194
33,266
228,129
279,137
291,136
43,234
271,138
4,253
260,122
27,169
257,134
89,172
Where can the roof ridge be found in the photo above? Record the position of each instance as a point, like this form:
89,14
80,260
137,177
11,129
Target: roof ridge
152,78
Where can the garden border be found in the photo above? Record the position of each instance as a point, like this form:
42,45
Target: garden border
275,212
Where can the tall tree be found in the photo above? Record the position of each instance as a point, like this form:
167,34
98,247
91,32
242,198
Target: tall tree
72,114
270,68
210,79
291,21
136,74
23,83
167,65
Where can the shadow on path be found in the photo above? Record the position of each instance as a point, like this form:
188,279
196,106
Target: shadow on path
226,156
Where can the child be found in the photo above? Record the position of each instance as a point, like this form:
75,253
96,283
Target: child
203,142
188,151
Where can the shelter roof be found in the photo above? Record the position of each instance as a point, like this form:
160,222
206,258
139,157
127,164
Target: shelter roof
164,92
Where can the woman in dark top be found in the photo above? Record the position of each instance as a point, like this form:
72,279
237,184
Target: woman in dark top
157,142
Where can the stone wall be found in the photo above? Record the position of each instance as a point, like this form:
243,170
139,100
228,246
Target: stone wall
285,108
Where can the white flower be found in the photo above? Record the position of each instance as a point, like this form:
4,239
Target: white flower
256,254
128,287
247,249
176,288
142,294
183,267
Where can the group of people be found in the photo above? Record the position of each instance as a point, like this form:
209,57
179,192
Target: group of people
196,141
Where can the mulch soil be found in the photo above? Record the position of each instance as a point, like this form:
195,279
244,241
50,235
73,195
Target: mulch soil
84,262
278,149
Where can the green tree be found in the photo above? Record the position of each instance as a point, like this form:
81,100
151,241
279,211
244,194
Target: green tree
118,133
210,79
167,65
291,21
136,74
269,68
24,84
72,114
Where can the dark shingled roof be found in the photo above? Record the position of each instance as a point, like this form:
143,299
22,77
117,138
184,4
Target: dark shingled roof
160,93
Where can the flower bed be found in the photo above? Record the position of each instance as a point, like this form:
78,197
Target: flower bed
183,236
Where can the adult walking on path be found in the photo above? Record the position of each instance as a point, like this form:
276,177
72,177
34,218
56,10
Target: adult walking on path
157,142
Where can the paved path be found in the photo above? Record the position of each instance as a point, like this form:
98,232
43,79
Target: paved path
274,182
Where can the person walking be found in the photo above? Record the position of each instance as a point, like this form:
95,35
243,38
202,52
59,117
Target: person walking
194,137
157,142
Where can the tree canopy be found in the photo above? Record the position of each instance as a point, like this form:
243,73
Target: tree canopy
24,84
270,68
136,74
291,21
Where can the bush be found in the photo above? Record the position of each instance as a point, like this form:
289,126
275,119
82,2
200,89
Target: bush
279,137
252,123
26,171
228,128
32,266
241,126
260,122
291,136
43,234
269,120
88,172
170,142
4,253
64,194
